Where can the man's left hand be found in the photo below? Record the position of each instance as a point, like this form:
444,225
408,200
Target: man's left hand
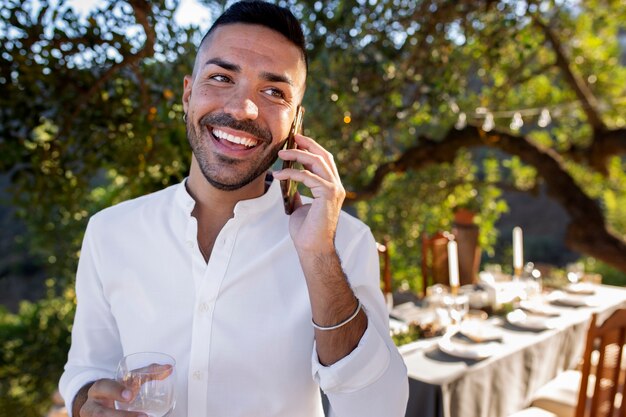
312,226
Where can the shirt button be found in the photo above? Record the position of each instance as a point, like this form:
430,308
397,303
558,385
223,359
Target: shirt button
197,375
204,307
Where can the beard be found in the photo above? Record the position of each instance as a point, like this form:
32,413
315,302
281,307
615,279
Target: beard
216,170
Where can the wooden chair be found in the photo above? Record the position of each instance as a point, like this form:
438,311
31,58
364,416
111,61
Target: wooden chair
596,391
435,259
609,338
466,236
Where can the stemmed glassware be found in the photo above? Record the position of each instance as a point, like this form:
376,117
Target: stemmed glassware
151,377
457,306
575,272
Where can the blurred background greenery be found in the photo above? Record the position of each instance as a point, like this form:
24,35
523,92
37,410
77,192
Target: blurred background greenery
513,109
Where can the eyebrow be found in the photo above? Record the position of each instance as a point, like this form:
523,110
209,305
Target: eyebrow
276,78
268,76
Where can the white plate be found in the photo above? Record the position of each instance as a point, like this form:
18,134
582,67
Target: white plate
480,331
468,350
410,313
572,300
529,321
581,288
539,308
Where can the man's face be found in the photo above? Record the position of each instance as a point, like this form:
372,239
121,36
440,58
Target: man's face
241,101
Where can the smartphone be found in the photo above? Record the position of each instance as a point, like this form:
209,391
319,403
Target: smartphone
289,187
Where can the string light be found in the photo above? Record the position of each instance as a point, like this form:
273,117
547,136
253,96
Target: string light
517,116
489,123
544,118
517,122
461,122
544,114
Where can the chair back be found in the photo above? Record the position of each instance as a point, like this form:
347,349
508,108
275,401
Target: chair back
607,376
435,260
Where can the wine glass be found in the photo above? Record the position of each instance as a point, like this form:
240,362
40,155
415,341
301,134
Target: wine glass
575,272
151,377
458,306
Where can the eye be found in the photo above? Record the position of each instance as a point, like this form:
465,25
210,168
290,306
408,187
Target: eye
274,92
220,78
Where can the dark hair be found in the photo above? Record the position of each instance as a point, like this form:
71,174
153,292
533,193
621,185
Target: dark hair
257,12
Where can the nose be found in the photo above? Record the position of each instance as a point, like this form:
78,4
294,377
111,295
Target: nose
241,107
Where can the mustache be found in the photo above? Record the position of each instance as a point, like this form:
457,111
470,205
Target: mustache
226,120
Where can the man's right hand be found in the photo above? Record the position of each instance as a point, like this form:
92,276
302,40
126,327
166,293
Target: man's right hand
98,399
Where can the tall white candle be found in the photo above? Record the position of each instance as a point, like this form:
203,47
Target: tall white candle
518,249
453,263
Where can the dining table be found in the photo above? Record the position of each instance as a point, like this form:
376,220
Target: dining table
502,378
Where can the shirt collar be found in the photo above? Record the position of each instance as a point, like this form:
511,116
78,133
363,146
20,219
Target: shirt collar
183,198
272,197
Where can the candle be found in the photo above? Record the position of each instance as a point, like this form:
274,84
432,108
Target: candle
453,264
518,250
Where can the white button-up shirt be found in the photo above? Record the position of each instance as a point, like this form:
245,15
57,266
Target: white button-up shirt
239,327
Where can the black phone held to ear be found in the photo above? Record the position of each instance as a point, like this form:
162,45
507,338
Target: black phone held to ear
289,187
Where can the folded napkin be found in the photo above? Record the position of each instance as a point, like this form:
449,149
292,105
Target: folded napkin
538,309
530,321
479,332
454,346
581,288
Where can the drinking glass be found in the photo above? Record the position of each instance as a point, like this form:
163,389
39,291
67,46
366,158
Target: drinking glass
458,306
575,272
151,377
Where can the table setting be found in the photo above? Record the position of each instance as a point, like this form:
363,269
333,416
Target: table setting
513,330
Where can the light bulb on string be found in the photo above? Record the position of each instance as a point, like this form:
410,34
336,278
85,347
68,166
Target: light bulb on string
517,122
544,118
489,123
461,121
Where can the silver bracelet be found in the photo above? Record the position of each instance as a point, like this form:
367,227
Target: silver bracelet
343,323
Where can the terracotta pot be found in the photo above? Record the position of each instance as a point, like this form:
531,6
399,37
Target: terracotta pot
464,216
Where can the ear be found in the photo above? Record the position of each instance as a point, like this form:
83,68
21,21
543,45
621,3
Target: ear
187,83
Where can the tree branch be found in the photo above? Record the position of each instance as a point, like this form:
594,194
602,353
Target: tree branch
580,87
605,144
142,15
586,232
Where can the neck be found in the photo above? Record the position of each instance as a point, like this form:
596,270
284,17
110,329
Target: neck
211,199
214,207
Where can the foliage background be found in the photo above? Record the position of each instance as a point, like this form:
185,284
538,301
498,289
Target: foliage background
90,115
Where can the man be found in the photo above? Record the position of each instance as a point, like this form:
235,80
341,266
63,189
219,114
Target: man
259,309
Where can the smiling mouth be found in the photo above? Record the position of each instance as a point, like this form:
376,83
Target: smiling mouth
237,140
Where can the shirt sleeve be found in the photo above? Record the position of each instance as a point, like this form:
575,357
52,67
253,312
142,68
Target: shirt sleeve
96,347
372,380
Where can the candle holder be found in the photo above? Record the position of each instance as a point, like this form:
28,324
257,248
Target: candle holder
454,290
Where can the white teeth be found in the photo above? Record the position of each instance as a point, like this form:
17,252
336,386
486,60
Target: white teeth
234,139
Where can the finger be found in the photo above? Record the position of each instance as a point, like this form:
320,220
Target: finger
109,390
310,145
312,162
153,372
316,184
